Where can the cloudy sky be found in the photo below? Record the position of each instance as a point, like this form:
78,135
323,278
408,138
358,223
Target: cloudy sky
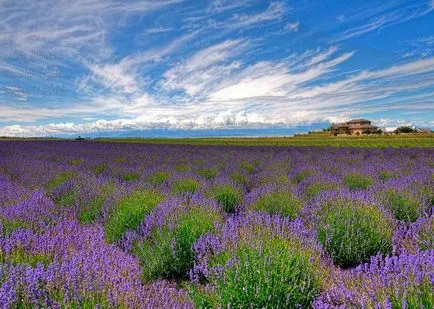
105,65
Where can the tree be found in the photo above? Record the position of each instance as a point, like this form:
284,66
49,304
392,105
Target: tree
405,129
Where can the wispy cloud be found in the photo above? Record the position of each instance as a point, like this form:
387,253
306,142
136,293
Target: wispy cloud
274,12
219,6
213,64
158,30
394,16
292,27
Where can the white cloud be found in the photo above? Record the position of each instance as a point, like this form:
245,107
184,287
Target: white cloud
396,15
274,79
219,6
204,68
292,27
236,82
158,30
274,12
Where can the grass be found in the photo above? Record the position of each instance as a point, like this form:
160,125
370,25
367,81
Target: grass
129,213
318,139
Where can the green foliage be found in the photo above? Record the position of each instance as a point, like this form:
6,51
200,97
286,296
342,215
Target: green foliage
426,236
58,180
355,181
414,295
405,129
352,232
227,196
239,178
302,175
182,168
99,168
9,226
403,205
130,176
66,199
208,173
185,186
158,178
382,141
76,162
129,213
385,175
281,202
315,188
279,274
20,256
89,212
169,253
248,167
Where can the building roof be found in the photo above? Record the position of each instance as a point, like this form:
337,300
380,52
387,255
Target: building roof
358,120
363,126
340,125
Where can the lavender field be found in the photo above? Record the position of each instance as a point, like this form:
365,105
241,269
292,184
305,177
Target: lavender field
110,225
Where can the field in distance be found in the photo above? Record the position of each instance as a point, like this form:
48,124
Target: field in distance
315,139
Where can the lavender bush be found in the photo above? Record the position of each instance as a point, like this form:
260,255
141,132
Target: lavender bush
105,225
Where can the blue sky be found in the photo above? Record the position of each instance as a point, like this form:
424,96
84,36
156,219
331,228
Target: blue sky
88,66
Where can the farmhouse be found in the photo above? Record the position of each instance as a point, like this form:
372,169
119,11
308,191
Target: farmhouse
353,127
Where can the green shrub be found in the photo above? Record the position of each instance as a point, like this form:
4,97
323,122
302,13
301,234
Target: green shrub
351,231
355,181
302,175
403,205
248,167
281,202
182,168
158,178
169,253
227,197
76,161
315,188
20,256
385,175
9,226
58,180
425,238
185,186
129,213
207,173
90,210
130,176
99,168
280,274
67,199
239,178
417,294
88,213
